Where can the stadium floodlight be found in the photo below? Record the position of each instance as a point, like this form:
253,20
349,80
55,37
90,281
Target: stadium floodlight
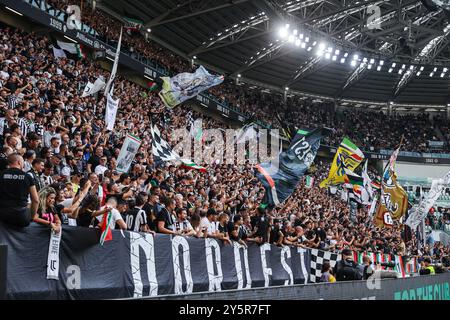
295,32
365,59
431,74
322,46
390,70
421,68
400,71
444,70
404,66
442,74
319,53
418,73
355,57
239,75
353,63
379,68
435,69
194,57
297,42
291,39
411,67
372,61
287,26
282,33
337,52
149,30
334,58
286,88
330,49
303,45
381,62
346,55
342,60
393,65
309,49
369,66
307,39
314,43
327,55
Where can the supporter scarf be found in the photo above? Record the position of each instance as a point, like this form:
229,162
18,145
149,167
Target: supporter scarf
53,255
106,230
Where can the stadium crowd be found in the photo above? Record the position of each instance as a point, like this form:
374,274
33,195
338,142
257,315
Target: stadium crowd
374,129
72,159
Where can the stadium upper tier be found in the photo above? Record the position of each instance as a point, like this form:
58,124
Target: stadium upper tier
371,130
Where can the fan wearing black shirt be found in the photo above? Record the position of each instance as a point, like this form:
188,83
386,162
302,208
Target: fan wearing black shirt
94,160
276,236
261,226
236,231
223,229
135,217
165,218
15,187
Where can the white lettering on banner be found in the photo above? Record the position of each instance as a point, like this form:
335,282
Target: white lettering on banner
144,241
53,255
266,270
111,111
150,72
215,281
302,263
56,24
83,38
286,252
238,264
176,242
203,99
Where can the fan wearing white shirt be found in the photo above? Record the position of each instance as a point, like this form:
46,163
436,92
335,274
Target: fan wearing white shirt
101,168
182,224
208,224
116,216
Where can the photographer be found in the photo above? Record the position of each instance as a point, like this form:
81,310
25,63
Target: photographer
346,269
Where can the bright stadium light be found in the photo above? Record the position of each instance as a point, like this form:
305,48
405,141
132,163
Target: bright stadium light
295,32
297,42
355,57
435,69
327,55
287,88
149,30
381,62
365,59
372,61
239,75
322,46
334,58
379,68
431,74
309,49
421,68
337,52
346,55
444,70
411,67
393,65
194,57
418,73
307,39
369,66
404,66
342,60
301,35
400,71
303,45
353,63
442,74
291,39
390,70
283,33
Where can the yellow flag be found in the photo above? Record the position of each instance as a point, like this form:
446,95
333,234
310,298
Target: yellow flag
348,156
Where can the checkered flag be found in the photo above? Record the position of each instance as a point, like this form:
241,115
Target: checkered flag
318,257
161,150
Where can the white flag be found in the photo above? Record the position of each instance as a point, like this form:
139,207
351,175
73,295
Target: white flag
114,68
59,53
418,214
111,112
92,88
367,182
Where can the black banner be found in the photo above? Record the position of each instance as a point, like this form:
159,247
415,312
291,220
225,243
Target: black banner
140,265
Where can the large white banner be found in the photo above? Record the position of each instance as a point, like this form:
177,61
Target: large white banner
129,149
418,213
114,68
111,112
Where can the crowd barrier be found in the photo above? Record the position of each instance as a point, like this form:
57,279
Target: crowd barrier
141,265
436,287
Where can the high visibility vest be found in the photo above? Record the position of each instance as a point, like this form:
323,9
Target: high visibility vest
431,268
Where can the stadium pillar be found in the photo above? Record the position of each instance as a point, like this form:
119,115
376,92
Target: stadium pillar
3,256
448,111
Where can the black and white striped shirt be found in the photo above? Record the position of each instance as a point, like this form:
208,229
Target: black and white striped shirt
25,126
12,101
135,219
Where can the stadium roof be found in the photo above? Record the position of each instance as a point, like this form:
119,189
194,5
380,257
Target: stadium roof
380,50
